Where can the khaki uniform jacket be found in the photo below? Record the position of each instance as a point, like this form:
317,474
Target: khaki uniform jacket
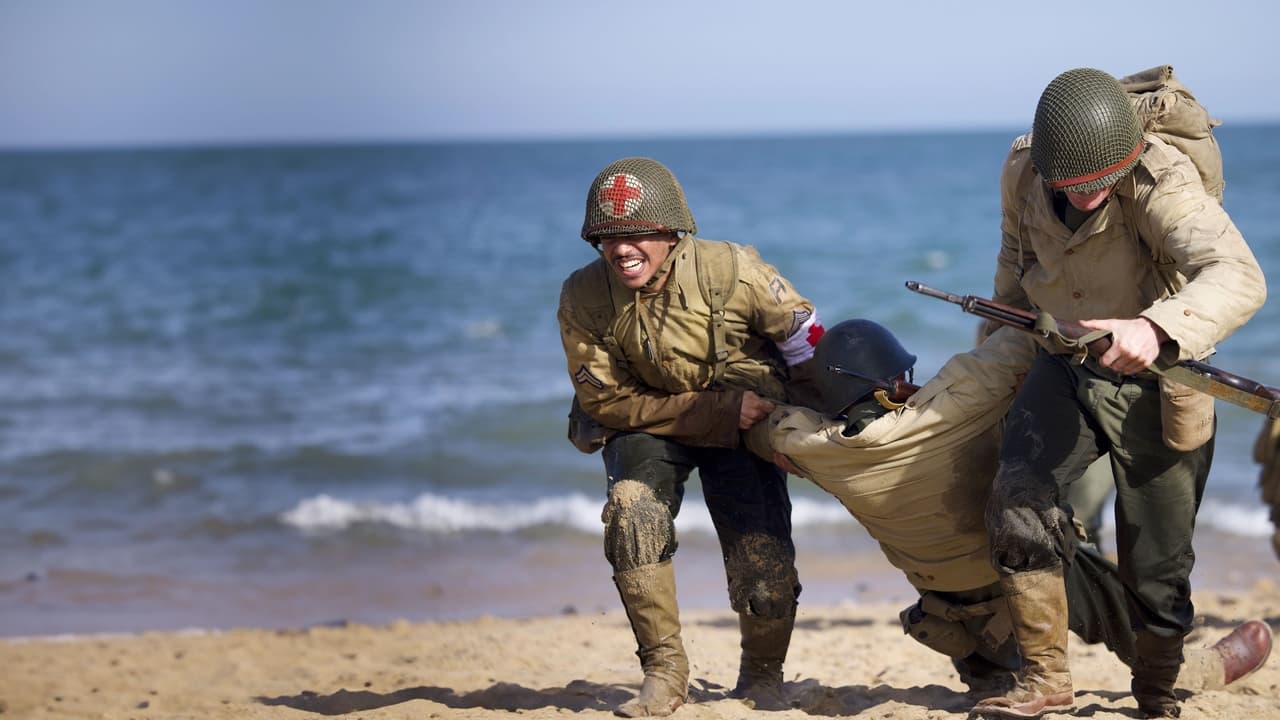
1103,270
660,379
918,478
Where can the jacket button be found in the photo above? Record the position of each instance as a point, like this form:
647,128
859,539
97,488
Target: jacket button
1077,294
1186,312
1070,251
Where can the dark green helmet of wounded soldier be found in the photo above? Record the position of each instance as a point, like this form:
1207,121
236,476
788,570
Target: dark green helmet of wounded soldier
635,195
853,358
1086,135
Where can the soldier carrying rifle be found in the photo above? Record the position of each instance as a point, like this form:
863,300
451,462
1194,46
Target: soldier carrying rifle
1108,226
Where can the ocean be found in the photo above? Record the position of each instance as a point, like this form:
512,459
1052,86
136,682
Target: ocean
286,386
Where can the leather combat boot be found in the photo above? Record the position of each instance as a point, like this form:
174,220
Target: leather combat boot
1155,672
1038,606
1234,657
982,677
649,596
1244,651
764,648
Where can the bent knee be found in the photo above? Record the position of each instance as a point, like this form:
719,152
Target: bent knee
638,527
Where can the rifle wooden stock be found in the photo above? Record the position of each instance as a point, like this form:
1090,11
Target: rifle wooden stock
901,391
1194,374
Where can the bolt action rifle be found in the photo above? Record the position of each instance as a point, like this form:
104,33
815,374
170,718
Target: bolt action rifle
1194,374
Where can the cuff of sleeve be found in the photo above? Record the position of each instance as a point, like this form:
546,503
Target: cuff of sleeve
722,426
1176,319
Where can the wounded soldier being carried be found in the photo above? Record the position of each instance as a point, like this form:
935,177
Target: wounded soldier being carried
915,467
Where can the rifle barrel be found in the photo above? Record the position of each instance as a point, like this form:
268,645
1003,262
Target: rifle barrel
923,289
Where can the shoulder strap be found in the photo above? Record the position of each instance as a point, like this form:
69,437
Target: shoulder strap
1022,144
717,265
594,289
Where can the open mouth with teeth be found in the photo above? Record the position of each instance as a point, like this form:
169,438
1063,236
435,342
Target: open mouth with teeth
630,266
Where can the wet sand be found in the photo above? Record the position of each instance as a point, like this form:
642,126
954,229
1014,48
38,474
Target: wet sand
846,659
849,655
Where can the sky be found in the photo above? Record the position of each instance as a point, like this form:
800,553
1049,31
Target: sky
166,72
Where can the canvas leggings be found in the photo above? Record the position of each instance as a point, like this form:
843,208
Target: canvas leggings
1066,415
747,499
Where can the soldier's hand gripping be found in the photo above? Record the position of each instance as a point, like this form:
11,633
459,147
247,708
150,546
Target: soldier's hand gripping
754,409
1135,343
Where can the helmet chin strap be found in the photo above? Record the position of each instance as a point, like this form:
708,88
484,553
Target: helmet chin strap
666,264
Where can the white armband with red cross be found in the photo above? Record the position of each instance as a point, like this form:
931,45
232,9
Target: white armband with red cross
806,331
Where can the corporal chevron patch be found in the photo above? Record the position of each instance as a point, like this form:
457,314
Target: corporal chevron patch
585,377
798,319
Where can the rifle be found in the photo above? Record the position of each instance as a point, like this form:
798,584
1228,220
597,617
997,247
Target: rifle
1194,374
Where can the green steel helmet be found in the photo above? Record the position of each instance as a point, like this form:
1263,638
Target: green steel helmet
853,358
1086,135
635,195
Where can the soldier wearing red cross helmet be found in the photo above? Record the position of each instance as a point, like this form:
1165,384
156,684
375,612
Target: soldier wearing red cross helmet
675,346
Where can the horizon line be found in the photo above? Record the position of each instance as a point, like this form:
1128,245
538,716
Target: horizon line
354,141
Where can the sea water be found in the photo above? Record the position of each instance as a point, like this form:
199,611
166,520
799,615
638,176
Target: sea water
284,385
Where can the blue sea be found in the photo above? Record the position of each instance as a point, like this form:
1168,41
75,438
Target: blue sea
284,386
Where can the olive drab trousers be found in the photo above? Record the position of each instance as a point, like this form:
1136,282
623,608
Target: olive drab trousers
747,499
1066,415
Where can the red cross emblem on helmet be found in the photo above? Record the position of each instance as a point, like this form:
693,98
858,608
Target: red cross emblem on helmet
620,195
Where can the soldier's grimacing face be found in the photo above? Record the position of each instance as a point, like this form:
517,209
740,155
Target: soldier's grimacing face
635,258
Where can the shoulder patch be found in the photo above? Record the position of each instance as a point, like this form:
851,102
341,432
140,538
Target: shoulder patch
1022,142
585,377
778,288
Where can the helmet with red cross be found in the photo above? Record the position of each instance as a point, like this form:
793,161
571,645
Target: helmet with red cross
632,196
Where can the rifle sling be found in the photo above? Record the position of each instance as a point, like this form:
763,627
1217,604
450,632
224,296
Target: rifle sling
1046,325
1217,388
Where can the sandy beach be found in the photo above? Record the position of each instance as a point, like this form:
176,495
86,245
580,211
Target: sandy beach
847,659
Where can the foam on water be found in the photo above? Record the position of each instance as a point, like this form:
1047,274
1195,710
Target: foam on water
433,513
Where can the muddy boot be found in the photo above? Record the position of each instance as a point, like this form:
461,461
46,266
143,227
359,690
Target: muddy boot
1038,606
649,596
983,678
764,648
1232,658
1155,671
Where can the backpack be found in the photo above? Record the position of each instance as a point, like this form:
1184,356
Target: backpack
1167,109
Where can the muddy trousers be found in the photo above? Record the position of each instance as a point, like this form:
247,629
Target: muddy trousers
1064,417
751,511
749,506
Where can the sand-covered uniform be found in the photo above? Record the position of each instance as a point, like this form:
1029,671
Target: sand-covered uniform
1159,248
661,359
671,404
918,479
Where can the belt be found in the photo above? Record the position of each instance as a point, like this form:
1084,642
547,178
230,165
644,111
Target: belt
1092,365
